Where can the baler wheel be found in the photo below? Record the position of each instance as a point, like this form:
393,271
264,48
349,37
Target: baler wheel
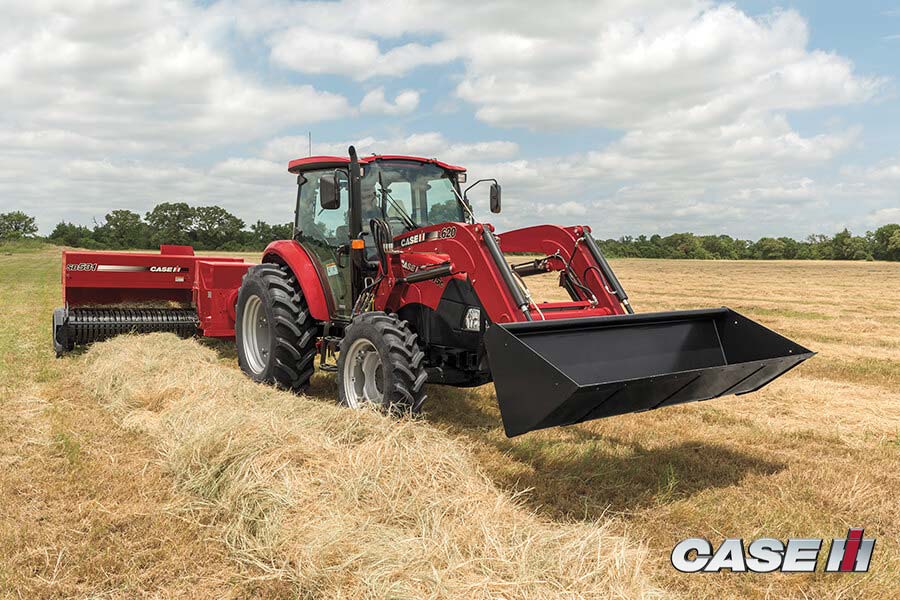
275,334
380,362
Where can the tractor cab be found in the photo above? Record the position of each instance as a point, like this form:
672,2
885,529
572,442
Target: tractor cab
406,192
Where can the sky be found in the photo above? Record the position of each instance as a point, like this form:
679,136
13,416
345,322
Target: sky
634,117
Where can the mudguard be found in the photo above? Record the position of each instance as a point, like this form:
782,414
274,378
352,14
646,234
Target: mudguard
295,256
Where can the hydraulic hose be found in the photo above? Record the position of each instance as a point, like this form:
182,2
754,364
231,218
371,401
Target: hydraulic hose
607,271
505,272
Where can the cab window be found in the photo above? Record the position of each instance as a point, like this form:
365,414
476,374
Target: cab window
328,226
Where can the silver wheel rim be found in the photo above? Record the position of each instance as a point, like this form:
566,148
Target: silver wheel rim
255,335
363,374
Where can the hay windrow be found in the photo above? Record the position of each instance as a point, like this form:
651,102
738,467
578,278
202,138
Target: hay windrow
346,504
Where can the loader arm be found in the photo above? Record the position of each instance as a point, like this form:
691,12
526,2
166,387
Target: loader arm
465,247
560,363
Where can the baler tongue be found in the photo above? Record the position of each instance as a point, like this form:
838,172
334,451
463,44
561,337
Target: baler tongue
550,373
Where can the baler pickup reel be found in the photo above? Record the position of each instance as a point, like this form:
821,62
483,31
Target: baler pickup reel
583,369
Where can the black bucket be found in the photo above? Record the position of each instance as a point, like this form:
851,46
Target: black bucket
550,373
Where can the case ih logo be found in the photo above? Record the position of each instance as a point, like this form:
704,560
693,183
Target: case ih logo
168,269
798,555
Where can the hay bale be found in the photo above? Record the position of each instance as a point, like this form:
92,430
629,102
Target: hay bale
347,504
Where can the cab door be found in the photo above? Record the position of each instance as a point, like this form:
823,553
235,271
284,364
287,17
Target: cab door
326,234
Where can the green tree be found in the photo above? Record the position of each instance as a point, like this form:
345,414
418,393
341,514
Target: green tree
820,247
791,247
285,231
260,234
69,234
769,248
16,225
171,223
894,246
123,229
881,242
720,246
846,246
683,245
214,227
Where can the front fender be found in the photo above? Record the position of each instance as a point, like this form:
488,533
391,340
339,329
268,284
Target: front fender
297,259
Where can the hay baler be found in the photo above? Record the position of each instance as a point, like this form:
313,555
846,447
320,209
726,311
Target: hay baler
389,272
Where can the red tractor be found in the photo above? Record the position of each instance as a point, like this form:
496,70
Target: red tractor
390,271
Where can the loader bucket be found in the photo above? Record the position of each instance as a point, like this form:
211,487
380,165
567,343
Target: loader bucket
550,373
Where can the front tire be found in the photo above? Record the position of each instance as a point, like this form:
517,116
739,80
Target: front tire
380,363
275,335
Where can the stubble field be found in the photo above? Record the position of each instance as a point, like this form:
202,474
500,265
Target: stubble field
149,467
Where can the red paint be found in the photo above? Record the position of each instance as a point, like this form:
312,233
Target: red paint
471,260
292,254
851,549
549,239
173,275
211,284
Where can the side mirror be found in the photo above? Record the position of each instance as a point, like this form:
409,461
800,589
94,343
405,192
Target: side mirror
329,192
495,197
494,194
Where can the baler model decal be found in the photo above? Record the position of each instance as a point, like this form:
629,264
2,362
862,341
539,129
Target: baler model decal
81,267
125,268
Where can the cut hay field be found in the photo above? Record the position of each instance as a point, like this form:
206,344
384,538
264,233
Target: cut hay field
150,467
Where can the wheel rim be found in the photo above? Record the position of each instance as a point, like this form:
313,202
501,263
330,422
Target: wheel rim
255,335
363,374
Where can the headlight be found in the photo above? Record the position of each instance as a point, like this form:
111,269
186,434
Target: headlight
472,322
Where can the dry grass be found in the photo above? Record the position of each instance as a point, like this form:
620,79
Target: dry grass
85,510
344,504
812,454
144,469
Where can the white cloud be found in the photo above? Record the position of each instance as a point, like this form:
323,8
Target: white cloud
311,50
612,64
375,102
701,92
700,67
428,145
121,104
887,171
152,73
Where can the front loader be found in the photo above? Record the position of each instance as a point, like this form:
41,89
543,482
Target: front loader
390,272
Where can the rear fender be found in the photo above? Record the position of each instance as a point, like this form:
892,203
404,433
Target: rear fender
297,259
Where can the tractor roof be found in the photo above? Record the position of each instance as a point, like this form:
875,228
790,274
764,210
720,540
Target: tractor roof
310,163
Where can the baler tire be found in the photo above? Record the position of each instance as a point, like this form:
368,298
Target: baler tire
402,361
292,332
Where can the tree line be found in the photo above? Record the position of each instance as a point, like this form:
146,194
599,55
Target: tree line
881,244
203,227
214,228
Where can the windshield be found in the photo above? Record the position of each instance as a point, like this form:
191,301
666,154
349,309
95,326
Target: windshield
409,194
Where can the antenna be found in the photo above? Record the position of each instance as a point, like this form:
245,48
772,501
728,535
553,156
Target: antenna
310,143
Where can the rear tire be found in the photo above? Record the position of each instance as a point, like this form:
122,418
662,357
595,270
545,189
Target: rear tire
275,334
380,363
